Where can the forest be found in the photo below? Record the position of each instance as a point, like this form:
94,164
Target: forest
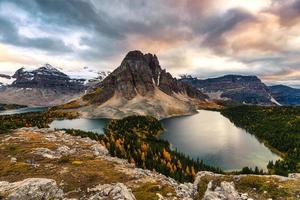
10,106
135,138
33,119
277,127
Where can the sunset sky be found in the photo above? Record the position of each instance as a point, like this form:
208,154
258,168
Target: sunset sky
205,38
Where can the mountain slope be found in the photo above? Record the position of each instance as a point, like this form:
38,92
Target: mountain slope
45,86
242,89
140,86
286,95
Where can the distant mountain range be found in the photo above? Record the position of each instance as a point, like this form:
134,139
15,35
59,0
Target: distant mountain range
45,86
139,86
241,89
285,95
245,89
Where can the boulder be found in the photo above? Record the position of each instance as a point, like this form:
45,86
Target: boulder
116,191
31,189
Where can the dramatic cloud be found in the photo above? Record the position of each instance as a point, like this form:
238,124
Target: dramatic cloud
201,37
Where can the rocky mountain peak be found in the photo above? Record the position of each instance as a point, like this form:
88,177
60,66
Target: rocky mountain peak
141,74
45,76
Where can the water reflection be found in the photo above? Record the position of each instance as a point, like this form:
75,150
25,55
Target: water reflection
94,125
213,138
22,110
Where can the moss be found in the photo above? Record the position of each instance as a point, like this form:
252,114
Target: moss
90,97
77,162
202,187
267,187
148,191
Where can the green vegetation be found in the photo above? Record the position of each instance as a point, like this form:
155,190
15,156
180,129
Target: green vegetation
257,187
38,119
278,127
10,106
90,97
135,138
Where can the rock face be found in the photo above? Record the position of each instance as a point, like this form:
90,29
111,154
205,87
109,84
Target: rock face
112,191
225,191
46,77
45,86
140,86
141,74
285,95
31,189
242,89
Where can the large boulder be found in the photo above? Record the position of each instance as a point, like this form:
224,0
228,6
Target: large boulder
31,189
117,191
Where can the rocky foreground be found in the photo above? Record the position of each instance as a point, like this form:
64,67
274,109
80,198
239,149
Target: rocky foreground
48,164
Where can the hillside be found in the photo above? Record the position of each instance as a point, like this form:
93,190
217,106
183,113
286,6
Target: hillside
278,127
286,95
54,165
238,88
140,86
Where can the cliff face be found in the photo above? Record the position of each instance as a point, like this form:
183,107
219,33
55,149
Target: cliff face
243,89
141,74
140,86
286,95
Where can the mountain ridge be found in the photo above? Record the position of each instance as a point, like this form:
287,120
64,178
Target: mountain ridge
44,86
285,95
239,88
140,86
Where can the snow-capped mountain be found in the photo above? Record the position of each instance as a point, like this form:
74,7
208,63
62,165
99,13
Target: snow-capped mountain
43,86
47,77
6,80
90,75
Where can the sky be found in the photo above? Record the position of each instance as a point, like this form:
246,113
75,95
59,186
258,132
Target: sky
204,38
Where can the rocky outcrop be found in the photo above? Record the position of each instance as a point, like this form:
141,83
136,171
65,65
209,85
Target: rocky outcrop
140,74
112,191
242,89
31,189
285,95
139,86
225,191
81,168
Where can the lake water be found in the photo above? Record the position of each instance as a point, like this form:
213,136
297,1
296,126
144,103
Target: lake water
22,110
213,138
207,135
94,125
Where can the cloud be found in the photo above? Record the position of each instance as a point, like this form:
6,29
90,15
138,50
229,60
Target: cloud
10,34
201,37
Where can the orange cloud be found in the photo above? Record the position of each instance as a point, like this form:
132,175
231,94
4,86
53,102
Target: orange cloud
264,35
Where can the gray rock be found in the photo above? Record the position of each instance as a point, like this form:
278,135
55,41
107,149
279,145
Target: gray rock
46,153
31,189
225,191
116,191
294,175
13,160
99,150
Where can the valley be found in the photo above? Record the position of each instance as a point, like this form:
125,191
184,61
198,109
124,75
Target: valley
142,118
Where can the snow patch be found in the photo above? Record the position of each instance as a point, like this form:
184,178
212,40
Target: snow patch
274,101
6,81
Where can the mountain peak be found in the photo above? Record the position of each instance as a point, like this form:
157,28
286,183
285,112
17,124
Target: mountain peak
134,55
48,67
140,85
